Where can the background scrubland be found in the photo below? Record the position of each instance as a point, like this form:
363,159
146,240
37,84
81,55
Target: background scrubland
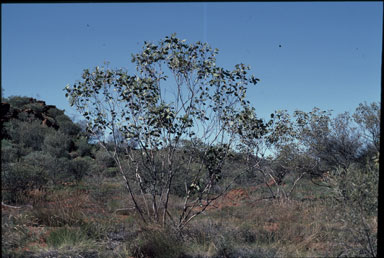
63,196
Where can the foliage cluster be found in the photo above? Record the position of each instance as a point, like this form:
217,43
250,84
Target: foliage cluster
37,156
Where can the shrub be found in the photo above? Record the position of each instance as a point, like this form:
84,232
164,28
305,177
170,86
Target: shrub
83,147
111,172
57,144
66,208
156,243
56,169
9,151
15,235
17,101
36,107
28,134
80,167
40,158
66,125
54,112
246,234
356,197
20,178
104,160
67,236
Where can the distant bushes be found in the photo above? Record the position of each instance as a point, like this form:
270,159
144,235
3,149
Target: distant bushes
356,197
17,101
19,178
66,125
83,147
28,135
79,167
35,154
9,152
103,160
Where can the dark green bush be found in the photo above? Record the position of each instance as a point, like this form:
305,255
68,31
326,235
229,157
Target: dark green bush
246,234
28,134
9,152
36,107
59,169
66,125
17,101
83,147
20,178
80,167
156,243
57,144
104,160
56,169
54,112
356,197
358,187
111,172
66,237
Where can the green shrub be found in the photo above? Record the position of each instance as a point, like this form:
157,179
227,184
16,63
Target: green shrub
66,125
56,169
67,236
59,169
40,158
20,178
246,234
104,160
83,147
18,101
80,167
111,172
57,144
63,171
356,198
156,243
54,112
27,134
9,152
36,107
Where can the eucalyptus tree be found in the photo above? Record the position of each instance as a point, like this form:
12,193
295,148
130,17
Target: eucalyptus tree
304,143
276,138
176,94
367,116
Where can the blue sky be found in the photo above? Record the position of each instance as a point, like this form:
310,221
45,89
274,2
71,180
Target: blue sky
330,54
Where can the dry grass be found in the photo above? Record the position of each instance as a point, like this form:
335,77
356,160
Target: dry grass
241,225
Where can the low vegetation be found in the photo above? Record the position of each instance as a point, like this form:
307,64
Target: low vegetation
92,216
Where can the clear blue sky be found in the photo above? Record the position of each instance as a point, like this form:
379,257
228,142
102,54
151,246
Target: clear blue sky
330,54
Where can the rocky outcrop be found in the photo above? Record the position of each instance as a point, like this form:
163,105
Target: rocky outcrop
39,114
38,111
